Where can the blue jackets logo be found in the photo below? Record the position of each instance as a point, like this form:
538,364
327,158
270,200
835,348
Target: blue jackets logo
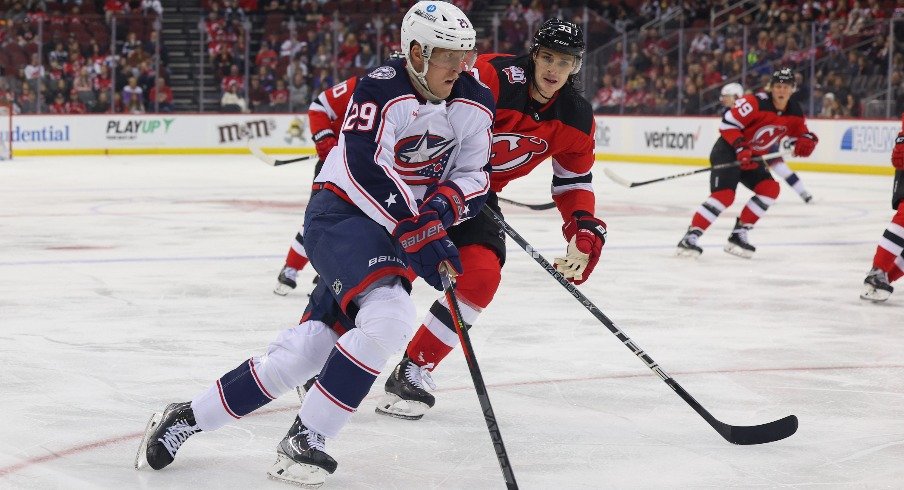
869,139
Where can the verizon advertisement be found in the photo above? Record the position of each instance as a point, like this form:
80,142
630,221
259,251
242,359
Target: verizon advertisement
845,145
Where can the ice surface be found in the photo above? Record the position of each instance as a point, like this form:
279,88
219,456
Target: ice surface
127,283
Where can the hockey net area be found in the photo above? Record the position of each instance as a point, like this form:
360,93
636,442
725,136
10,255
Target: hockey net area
6,132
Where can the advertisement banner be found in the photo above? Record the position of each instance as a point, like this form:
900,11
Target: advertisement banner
845,145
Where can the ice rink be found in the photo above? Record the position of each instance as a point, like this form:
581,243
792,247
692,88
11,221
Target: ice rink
127,283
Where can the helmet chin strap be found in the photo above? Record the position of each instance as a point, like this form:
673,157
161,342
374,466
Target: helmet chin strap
420,78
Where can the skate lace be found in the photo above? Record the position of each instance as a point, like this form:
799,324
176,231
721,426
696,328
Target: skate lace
741,233
315,439
176,435
419,375
878,275
290,273
691,238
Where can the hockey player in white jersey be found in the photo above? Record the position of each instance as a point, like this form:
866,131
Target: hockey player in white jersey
412,160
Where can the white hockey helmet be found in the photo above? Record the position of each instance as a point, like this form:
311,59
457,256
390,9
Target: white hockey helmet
435,24
733,89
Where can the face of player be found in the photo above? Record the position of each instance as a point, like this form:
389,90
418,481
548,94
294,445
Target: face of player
444,67
781,93
552,71
728,100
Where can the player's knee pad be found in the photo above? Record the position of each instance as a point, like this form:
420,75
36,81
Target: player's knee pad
297,354
482,273
386,317
768,188
724,196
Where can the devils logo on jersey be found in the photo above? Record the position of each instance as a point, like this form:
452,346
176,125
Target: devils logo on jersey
515,74
512,150
422,159
767,136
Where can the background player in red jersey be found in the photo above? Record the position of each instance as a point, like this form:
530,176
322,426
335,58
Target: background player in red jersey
749,129
539,114
729,95
888,263
325,119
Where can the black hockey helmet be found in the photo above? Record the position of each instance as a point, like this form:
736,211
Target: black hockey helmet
562,36
783,75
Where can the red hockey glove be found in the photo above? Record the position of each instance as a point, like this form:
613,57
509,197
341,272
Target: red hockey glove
427,246
897,154
805,145
324,145
586,236
447,200
745,158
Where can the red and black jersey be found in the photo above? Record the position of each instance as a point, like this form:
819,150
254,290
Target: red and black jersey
328,109
525,133
755,123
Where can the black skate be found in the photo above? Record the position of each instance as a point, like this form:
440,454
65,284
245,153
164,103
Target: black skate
304,389
876,287
688,247
286,281
165,434
406,397
300,458
737,241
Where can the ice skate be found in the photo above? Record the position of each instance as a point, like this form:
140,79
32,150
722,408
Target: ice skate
286,280
876,287
304,389
300,458
406,397
737,241
806,196
165,434
688,247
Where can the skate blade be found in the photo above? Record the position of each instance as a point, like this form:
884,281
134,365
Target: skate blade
738,251
303,475
684,252
141,458
875,295
282,289
394,406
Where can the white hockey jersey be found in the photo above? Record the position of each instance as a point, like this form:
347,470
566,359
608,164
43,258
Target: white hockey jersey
394,145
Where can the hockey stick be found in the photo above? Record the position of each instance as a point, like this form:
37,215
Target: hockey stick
735,434
535,207
274,162
479,386
625,182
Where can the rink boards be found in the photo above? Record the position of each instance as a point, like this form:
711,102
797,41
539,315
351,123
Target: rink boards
845,145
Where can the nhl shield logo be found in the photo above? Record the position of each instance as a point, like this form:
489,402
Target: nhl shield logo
515,74
337,286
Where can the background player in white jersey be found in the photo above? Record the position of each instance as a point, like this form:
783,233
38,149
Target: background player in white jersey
731,93
413,126
888,262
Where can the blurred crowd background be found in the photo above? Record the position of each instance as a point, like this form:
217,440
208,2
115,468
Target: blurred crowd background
665,57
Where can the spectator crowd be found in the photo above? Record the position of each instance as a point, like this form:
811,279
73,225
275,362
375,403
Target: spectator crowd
644,56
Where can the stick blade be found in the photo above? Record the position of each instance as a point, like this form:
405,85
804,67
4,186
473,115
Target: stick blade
256,151
616,178
748,435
